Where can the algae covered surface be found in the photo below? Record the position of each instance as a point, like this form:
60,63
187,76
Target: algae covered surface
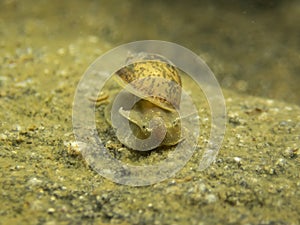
46,48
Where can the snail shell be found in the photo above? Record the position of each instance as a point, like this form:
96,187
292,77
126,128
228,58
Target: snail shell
154,120
143,79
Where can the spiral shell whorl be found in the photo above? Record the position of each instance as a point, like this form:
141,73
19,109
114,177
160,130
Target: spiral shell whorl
157,79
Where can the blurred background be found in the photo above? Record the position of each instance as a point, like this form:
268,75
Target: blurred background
251,46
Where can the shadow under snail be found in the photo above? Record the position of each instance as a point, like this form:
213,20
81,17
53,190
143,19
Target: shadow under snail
153,119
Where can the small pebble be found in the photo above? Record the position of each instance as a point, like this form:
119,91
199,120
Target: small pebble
211,198
237,159
51,210
34,181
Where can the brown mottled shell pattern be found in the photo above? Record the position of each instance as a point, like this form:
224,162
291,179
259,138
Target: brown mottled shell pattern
157,80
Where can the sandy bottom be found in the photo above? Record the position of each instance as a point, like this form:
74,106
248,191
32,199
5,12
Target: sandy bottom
45,50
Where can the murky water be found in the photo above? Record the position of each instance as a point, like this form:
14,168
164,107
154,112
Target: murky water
252,47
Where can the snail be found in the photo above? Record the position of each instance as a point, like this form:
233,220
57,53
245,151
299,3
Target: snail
148,105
